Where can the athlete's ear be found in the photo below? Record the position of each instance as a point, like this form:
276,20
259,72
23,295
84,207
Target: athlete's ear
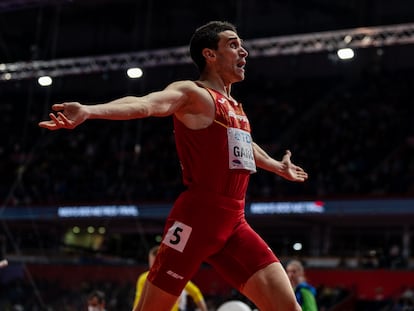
208,53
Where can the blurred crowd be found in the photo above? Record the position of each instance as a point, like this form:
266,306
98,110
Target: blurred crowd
355,137
23,295
46,295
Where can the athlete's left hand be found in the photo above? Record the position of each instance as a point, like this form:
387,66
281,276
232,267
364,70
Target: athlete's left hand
291,171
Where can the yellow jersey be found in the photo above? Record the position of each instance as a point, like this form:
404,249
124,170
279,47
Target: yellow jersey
190,288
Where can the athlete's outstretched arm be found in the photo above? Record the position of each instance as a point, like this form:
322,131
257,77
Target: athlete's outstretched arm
284,168
163,103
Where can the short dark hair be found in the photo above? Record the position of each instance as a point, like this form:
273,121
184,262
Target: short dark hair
100,295
206,36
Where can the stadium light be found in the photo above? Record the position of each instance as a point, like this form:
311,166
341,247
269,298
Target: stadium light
346,53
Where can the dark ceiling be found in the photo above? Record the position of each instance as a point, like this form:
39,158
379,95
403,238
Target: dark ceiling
49,29
55,29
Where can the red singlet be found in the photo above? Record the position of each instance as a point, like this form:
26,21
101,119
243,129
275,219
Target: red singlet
207,222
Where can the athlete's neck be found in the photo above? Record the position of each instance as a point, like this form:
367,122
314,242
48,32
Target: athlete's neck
223,89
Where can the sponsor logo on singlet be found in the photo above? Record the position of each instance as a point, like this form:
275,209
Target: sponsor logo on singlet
221,100
241,118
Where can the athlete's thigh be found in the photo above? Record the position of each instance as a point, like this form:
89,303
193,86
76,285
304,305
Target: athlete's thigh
195,229
244,254
175,263
270,289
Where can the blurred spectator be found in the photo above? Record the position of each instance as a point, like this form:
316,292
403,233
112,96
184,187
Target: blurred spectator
96,301
360,145
304,292
405,302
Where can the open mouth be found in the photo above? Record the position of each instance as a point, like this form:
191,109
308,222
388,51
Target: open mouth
241,64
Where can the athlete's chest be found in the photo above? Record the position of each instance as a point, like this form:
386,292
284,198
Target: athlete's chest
232,114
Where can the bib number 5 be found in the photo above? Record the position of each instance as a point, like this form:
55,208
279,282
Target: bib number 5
177,236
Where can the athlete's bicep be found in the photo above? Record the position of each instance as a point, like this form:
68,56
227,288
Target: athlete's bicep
176,98
166,102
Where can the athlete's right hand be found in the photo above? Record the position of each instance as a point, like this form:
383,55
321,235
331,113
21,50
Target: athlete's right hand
68,116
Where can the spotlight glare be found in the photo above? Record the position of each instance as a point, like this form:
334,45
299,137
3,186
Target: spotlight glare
346,53
45,80
297,246
134,73
348,39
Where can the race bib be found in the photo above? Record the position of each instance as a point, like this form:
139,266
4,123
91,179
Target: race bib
177,236
240,150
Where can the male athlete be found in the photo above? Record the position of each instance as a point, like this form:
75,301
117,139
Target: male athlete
217,155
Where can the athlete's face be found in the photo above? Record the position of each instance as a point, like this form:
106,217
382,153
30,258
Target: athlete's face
294,273
230,57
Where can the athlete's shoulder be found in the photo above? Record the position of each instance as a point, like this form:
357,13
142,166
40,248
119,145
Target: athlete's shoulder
193,92
184,85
